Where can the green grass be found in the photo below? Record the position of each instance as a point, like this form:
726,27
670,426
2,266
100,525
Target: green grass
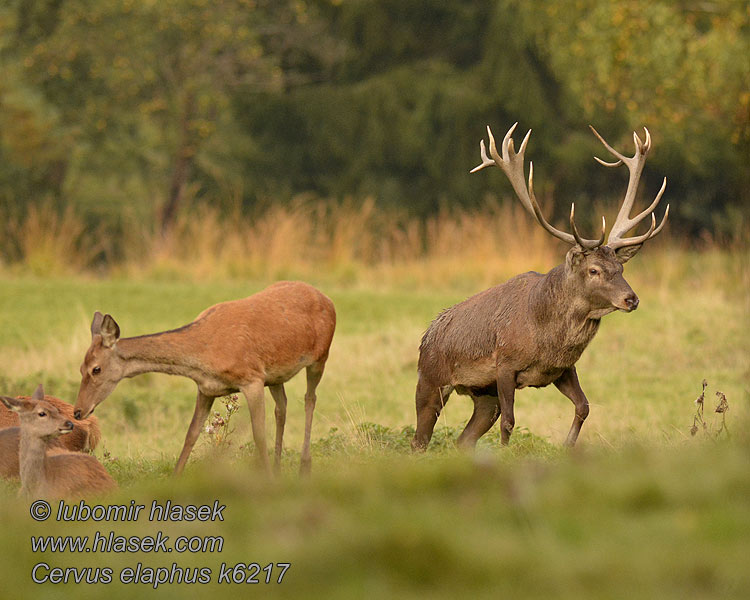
639,509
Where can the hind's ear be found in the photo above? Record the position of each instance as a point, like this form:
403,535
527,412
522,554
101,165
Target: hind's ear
110,331
38,393
96,324
16,404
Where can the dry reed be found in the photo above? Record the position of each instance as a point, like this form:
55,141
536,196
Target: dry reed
346,242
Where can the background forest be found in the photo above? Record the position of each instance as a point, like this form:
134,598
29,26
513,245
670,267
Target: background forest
120,117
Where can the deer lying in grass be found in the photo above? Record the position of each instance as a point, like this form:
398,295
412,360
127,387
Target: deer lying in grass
531,330
52,473
242,345
85,436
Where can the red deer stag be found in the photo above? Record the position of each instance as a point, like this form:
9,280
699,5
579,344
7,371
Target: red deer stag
531,330
47,472
242,345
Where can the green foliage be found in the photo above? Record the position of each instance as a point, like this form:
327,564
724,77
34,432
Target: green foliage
131,110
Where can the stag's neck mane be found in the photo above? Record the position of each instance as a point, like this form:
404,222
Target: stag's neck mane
558,306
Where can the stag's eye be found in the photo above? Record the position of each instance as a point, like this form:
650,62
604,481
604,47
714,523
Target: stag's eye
593,271
96,370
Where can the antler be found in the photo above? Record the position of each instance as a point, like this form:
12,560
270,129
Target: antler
623,223
511,162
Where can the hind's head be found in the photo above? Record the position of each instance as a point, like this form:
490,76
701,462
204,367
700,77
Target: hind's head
102,367
38,417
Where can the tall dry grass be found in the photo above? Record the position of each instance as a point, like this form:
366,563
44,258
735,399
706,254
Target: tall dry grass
347,242
44,240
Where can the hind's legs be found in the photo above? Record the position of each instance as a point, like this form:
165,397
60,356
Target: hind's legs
253,392
314,373
279,396
203,406
430,400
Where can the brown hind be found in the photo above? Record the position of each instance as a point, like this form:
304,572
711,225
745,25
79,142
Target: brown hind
242,345
52,473
83,438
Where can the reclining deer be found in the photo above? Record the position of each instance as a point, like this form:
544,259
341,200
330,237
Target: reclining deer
532,329
52,472
84,437
242,345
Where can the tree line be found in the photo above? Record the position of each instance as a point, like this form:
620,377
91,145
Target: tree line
140,109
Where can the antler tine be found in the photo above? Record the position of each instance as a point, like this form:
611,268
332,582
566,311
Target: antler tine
607,164
623,223
508,143
663,220
537,212
486,160
643,214
620,157
582,242
651,233
511,162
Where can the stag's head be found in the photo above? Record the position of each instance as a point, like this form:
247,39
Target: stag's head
594,266
102,367
37,416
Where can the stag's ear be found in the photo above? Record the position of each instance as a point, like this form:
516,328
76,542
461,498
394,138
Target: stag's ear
17,404
96,324
110,331
575,256
625,253
38,393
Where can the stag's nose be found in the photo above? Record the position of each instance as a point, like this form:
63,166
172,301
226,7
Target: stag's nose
69,424
77,413
631,302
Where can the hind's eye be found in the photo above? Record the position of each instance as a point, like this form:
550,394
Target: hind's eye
42,414
96,370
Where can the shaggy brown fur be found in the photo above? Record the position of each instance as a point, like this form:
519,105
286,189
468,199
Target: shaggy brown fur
528,331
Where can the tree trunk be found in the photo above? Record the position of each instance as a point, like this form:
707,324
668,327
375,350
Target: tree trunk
183,163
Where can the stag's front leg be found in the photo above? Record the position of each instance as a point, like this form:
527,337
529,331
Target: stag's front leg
506,391
568,384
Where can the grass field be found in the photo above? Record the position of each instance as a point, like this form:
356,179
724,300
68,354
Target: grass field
639,509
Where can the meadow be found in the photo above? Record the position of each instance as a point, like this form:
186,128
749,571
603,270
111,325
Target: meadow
640,508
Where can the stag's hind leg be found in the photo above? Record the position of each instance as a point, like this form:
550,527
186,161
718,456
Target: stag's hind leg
568,384
486,412
431,399
314,374
279,396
